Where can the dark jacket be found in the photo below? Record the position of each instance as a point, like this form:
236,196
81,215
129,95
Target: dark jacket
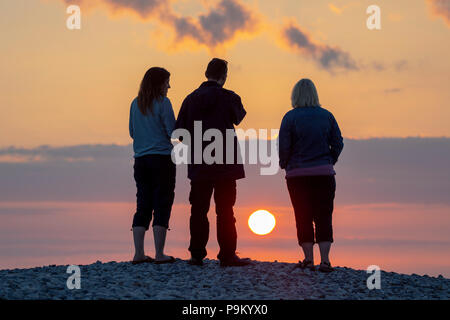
309,136
216,108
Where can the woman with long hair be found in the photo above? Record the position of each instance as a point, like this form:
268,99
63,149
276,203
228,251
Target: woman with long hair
152,121
310,143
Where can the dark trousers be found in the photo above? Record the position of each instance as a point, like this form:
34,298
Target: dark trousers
225,198
155,183
312,198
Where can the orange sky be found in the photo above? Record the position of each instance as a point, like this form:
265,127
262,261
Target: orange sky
391,236
63,87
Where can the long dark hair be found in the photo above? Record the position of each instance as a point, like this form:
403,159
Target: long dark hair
151,88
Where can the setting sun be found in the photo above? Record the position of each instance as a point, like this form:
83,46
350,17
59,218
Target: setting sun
261,222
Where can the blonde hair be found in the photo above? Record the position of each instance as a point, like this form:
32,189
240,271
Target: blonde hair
304,94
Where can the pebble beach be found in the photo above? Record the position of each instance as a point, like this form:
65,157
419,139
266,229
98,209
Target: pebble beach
180,281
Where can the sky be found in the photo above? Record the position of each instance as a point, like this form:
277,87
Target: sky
66,87
65,205
67,192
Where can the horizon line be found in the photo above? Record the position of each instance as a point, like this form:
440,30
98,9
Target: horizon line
49,146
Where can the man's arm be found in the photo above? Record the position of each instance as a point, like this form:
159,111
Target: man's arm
238,111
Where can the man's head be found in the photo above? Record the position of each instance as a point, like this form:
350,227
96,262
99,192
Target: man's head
217,71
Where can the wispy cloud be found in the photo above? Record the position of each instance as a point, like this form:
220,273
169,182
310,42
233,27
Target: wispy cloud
335,9
398,66
340,9
409,170
42,154
393,90
327,57
143,8
401,65
223,22
440,8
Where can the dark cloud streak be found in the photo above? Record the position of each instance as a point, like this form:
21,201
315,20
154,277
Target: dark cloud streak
218,26
412,170
327,57
441,8
143,8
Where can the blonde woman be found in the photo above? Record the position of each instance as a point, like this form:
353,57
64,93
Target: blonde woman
310,143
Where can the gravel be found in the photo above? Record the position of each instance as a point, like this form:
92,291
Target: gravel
179,281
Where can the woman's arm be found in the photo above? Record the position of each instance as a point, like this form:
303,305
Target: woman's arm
336,140
168,117
284,142
130,126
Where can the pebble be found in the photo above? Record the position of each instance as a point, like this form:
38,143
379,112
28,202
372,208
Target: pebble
263,280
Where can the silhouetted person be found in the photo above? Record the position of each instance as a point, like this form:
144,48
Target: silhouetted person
152,121
310,143
221,109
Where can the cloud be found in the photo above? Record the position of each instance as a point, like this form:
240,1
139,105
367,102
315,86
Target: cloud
24,210
143,8
410,170
81,153
338,10
398,66
224,23
327,57
221,24
378,66
401,65
393,90
440,8
335,9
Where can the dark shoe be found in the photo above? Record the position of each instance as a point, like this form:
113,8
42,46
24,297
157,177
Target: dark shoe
195,262
170,260
325,267
146,260
306,264
235,262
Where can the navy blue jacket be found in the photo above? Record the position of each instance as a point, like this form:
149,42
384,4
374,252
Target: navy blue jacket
309,137
216,108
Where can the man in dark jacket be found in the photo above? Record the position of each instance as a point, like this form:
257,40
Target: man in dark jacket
213,107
